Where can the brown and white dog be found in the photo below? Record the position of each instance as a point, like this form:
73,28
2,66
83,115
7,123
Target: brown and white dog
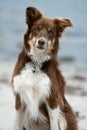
37,82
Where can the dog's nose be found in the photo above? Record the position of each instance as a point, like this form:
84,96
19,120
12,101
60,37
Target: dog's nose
41,41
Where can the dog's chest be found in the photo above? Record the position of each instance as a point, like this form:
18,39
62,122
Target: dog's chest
33,86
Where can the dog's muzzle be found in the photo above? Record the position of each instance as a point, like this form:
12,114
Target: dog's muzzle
41,43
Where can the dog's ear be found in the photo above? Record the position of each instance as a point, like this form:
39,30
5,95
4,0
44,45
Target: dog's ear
32,15
61,24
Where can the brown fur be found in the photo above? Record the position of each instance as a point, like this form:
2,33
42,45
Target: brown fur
34,18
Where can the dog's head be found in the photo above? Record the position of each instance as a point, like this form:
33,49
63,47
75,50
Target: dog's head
41,39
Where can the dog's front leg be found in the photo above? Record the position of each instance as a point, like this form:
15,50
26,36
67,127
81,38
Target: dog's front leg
19,120
19,115
57,118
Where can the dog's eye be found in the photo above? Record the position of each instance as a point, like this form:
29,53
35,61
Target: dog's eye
51,32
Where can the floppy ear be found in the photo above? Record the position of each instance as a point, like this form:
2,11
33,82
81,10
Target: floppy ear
61,24
32,15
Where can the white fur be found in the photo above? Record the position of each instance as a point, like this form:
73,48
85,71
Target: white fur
38,56
57,119
33,89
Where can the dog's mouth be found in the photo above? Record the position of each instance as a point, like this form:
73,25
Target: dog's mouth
40,47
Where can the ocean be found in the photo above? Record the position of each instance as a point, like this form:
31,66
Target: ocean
73,44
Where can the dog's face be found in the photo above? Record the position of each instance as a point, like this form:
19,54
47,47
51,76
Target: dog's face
43,33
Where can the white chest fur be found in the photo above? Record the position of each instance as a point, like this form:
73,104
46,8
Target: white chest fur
33,89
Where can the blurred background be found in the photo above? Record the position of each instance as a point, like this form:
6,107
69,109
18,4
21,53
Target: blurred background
72,54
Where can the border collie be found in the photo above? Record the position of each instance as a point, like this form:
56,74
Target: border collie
38,84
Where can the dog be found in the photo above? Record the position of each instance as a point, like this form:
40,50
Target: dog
38,84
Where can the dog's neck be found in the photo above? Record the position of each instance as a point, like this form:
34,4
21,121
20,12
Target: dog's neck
38,58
